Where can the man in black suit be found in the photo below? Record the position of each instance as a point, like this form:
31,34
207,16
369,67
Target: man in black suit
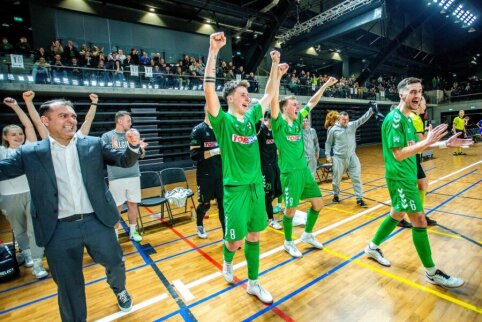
71,205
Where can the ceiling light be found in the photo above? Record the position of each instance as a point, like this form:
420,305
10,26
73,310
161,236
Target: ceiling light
152,9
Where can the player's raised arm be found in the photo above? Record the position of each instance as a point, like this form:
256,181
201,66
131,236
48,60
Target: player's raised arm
216,42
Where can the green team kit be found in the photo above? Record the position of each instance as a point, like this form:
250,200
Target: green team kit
296,178
398,132
243,183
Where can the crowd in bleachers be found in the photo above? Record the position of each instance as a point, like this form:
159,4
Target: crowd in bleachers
306,83
93,64
454,87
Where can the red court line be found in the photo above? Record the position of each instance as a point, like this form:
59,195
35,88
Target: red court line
275,310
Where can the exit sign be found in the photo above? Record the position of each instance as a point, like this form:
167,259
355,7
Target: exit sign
18,19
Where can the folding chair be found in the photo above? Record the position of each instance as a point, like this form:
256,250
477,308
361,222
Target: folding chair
326,169
152,195
175,177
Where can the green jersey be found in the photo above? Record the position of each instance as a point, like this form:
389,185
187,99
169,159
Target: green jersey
289,140
239,146
398,132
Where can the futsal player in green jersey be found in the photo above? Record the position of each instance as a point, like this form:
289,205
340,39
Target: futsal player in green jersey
400,145
244,202
297,182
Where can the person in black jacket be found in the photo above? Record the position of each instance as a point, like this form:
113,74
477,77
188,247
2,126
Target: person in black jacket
209,176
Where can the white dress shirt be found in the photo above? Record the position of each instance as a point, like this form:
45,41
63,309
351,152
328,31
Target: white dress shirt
72,194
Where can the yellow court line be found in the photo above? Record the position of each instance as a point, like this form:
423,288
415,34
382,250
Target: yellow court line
281,232
336,209
408,282
443,234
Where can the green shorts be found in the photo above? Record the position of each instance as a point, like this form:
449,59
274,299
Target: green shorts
244,210
297,185
404,195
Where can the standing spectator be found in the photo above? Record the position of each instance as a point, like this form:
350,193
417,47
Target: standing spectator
15,193
458,126
341,138
41,52
120,55
145,60
118,72
58,69
57,48
209,176
73,208
41,72
75,70
253,83
311,146
124,183
70,51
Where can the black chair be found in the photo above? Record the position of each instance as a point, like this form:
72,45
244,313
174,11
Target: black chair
152,196
326,170
172,178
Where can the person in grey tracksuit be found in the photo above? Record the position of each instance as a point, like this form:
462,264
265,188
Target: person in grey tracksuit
341,138
311,146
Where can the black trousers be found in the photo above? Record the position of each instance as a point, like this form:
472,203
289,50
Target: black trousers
65,252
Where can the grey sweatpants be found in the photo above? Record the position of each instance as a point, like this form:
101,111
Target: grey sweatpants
353,167
17,210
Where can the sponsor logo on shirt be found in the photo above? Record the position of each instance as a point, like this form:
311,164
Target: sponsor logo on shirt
243,139
211,144
293,138
269,141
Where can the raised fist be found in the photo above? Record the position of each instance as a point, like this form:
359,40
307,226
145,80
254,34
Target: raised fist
217,40
28,96
283,68
93,98
275,56
11,102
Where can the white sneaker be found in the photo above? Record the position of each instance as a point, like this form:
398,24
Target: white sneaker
310,239
444,280
254,288
228,272
38,270
274,224
290,247
27,256
134,235
377,255
201,232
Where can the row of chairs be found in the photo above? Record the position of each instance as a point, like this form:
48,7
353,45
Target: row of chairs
154,187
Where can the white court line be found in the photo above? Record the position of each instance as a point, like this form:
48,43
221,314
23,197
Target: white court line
183,290
330,227
136,307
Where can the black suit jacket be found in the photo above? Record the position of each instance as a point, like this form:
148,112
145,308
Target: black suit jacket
35,160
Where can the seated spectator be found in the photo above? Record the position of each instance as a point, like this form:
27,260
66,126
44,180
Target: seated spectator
58,69
253,83
157,77
41,52
240,73
41,72
75,70
23,47
118,72
56,48
145,59
102,75
7,48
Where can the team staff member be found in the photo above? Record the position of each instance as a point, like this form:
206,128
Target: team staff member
458,126
311,146
269,167
341,138
400,146
71,206
296,179
243,184
209,175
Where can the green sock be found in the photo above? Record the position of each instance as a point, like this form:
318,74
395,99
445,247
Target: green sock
287,227
422,245
311,218
228,256
251,252
422,197
385,229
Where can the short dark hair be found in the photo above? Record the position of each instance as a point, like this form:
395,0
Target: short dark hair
120,114
45,107
284,101
408,81
342,113
231,86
